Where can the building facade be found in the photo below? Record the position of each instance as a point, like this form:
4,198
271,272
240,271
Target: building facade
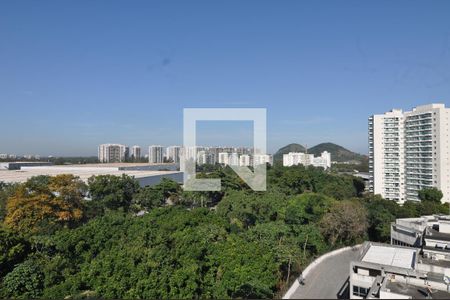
244,160
109,153
299,158
395,272
408,151
135,152
173,154
155,154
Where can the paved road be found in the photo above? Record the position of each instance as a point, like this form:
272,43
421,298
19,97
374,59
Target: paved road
327,278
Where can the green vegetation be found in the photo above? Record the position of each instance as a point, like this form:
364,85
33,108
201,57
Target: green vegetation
431,195
233,243
338,153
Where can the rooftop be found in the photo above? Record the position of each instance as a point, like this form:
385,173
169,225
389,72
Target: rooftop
391,256
435,234
414,291
82,171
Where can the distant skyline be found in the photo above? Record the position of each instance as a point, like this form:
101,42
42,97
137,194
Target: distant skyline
74,75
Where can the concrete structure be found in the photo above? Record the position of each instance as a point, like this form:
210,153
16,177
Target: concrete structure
429,233
155,154
394,272
173,154
145,174
298,158
109,153
135,152
19,164
408,151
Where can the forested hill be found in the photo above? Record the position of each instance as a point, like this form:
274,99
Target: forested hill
338,153
278,156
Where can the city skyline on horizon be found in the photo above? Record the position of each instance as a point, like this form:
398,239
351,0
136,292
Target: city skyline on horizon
125,74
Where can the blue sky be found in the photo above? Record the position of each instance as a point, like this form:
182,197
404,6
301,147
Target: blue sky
74,74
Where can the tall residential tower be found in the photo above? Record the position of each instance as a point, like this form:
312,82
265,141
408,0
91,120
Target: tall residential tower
108,153
155,154
409,151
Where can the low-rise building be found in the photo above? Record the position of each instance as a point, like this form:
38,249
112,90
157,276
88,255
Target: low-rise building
396,272
422,232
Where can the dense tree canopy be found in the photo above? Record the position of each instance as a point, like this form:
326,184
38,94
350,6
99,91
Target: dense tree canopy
430,195
43,204
112,192
61,238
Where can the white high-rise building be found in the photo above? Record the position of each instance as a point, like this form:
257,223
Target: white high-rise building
155,154
299,158
224,158
244,160
409,151
135,152
234,159
202,157
108,153
173,153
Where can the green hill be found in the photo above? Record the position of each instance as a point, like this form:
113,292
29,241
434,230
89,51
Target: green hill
338,153
278,156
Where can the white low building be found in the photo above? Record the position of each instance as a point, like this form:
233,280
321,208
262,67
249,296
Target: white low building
396,272
299,158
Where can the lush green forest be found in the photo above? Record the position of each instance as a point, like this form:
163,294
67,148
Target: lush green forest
162,242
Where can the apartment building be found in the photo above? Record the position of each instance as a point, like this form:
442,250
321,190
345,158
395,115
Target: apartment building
173,154
136,152
244,160
224,158
108,153
234,159
155,154
409,151
299,158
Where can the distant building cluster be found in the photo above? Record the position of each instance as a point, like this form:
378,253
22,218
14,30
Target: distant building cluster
109,153
234,156
408,151
415,265
227,156
15,156
299,158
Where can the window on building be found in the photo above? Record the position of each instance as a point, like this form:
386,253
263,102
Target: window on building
360,291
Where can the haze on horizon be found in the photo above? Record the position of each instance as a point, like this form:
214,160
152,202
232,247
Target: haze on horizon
77,74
